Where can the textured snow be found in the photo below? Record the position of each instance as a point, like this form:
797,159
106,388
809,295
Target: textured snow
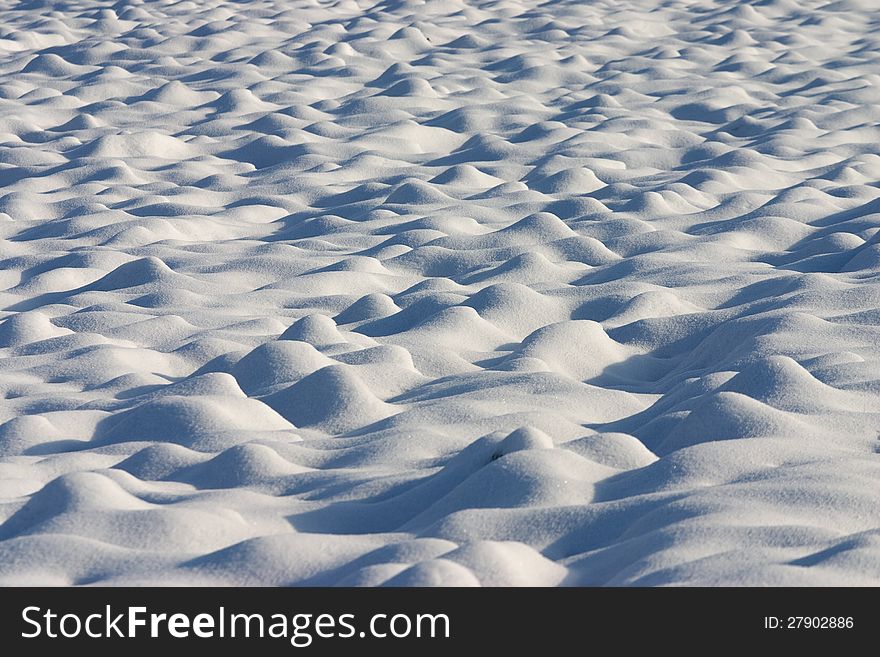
440,292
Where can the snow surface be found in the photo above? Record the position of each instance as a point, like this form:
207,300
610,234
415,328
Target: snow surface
444,292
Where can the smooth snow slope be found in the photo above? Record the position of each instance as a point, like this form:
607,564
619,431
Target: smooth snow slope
444,292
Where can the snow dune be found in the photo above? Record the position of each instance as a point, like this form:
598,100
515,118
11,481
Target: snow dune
439,292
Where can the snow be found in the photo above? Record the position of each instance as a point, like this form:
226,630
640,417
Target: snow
439,292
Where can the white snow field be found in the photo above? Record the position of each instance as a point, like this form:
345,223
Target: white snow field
441,292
